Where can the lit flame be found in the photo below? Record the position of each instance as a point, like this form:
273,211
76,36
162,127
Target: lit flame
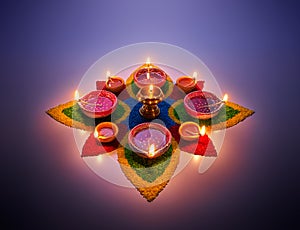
151,150
225,98
96,134
202,130
151,88
195,75
108,74
76,95
148,61
148,75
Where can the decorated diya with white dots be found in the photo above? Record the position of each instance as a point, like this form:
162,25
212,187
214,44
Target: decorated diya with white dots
98,103
202,104
149,140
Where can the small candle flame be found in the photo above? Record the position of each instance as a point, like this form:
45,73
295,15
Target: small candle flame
225,98
96,134
151,150
76,95
148,61
195,75
108,74
202,130
148,75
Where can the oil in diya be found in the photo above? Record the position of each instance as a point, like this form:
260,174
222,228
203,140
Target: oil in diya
187,83
149,74
150,96
114,84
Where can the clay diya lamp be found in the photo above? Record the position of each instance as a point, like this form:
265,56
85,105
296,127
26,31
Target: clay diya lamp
186,83
150,96
202,105
115,84
149,75
149,140
106,131
98,103
191,131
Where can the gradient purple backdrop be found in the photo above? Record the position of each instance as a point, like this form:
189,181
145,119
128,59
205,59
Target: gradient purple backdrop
252,48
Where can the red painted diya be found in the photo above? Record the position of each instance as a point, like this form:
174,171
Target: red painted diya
202,105
99,103
150,76
149,140
115,84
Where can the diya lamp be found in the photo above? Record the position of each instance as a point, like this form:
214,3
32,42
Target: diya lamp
203,105
149,74
114,84
106,131
191,131
150,96
149,140
98,103
187,83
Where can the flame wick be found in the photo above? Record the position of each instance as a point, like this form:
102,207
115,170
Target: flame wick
96,134
225,98
148,61
76,95
151,150
195,75
202,130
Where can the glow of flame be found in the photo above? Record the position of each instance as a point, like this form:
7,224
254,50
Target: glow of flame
76,95
151,150
202,130
96,134
225,98
108,74
148,75
99,158
148,61
151,88
195,75
196,158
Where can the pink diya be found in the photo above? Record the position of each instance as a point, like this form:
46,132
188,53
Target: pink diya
115,84
149,75
202,105
106,131
99,103
149,140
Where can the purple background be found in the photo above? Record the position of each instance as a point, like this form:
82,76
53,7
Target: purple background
252,48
